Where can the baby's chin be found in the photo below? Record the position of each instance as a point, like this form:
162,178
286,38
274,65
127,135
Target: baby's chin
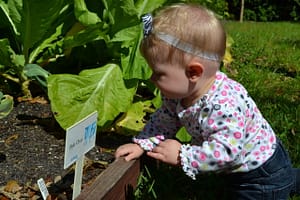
171,96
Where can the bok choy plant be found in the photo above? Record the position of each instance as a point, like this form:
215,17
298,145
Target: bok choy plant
29,30
110,88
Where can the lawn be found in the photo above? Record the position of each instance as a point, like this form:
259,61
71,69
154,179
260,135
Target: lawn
266,61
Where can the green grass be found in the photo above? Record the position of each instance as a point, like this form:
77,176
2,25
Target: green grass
266,61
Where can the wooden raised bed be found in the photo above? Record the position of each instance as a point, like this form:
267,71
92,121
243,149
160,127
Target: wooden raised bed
114,183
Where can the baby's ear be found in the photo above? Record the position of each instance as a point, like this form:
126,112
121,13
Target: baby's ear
194,70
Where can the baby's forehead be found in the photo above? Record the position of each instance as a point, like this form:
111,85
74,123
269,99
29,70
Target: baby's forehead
157,54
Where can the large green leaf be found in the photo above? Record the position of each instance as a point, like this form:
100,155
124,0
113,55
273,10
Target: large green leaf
143,6
48,43
75,96
36,72
49,48
133,121
91,33
119,15
133,64
8,17
37,18
35,24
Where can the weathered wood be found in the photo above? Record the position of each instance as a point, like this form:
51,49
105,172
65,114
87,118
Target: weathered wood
114,183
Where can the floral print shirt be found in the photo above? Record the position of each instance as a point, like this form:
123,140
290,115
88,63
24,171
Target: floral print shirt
228,131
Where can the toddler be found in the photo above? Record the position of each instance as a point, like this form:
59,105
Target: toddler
184,46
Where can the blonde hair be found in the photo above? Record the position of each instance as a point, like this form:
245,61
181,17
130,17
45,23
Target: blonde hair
191,24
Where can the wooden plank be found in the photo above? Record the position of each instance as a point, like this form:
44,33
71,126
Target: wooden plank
114,183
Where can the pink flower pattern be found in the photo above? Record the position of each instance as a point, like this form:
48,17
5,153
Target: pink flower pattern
228,131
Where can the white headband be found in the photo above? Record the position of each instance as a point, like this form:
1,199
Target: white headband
186,47
175,42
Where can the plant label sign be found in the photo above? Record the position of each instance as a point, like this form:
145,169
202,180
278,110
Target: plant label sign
43,188
80,138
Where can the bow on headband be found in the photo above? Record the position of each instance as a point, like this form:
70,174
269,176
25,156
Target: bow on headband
147,21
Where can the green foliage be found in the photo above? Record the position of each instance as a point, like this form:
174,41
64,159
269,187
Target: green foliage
261,12
218,6
28,29
133,121
75,96
183,136
275,10
117,25
6,105
35,72
51,33
266,62
144,190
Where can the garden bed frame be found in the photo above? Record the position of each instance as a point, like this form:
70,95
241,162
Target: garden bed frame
116,182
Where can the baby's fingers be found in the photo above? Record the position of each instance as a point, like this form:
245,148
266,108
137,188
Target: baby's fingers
157,156
130,151
121,151
130,157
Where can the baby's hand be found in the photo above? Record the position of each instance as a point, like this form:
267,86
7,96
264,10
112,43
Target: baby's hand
167,151
130,151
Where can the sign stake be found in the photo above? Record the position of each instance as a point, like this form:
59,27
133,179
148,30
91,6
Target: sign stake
80,138
78,177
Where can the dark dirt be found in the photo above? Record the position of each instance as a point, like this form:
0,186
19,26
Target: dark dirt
32,147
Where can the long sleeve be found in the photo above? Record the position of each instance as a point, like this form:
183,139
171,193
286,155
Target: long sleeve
228,131
163,124
222,147
233,134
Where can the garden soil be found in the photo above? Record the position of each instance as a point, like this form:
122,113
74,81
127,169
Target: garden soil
32,147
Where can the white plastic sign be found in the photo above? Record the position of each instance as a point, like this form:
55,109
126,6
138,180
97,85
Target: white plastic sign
43,188
80,138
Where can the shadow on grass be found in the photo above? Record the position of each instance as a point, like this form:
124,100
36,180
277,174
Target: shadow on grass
169,182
